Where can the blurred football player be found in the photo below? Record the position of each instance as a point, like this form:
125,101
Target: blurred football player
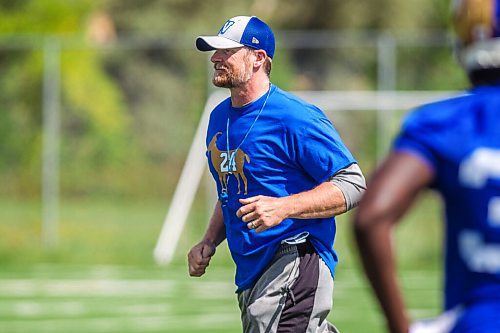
453,147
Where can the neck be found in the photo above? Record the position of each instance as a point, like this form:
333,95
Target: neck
249,92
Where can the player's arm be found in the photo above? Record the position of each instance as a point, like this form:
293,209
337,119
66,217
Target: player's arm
330,198
390,193
199,256
334,197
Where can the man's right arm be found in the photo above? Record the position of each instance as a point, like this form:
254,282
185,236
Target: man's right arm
199,256
389,195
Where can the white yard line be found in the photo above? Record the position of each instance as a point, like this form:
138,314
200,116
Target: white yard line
63,309
108,287
143,324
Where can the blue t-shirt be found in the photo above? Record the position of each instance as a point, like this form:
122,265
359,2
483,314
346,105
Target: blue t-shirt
278,145
459,138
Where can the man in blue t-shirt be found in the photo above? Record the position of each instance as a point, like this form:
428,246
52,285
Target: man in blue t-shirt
453,147
282,174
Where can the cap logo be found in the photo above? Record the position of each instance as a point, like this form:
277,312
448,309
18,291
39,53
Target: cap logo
255,40
226,27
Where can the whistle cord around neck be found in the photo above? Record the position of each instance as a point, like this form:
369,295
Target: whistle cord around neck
233,156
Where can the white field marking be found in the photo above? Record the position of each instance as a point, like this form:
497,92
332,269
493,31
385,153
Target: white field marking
213,290
412,280
34,309
130,319
341,312
112,272
374,317
343,292
102,288
55,288
187,322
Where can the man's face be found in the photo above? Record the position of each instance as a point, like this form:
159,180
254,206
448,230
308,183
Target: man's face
233,67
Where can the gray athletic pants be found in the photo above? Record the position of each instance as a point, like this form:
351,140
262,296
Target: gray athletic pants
293,295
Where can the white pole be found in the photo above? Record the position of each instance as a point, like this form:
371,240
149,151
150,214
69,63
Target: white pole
186,189
50,148
386,59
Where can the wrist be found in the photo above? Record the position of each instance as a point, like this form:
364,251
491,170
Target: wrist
289,206
208,240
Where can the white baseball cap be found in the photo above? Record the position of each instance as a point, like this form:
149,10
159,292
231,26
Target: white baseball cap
240,31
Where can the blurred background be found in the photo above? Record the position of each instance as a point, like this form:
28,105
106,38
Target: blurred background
99,104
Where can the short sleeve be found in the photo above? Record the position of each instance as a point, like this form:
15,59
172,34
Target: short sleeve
320,151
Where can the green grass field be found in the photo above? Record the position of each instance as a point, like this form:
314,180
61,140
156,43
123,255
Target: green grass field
102,277
55,298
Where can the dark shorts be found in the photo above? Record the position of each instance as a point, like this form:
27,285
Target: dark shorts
293,295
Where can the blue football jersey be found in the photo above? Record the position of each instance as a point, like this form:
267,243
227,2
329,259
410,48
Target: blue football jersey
275,146
459,138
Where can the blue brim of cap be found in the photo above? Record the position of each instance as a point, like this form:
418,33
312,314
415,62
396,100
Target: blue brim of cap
210,43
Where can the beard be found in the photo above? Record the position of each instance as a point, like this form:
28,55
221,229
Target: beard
231,77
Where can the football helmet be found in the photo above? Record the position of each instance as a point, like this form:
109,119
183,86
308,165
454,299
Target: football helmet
477,30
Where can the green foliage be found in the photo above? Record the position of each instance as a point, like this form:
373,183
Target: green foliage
130,106
430,69
96,123
52,16
20,100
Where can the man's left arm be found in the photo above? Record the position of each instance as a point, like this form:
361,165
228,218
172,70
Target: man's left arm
335,196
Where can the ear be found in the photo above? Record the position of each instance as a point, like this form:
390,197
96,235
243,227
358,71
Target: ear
260,57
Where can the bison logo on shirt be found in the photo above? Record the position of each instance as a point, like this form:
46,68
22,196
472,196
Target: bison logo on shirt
228,163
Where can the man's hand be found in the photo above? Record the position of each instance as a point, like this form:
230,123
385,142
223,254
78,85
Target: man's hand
199,258
262,212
